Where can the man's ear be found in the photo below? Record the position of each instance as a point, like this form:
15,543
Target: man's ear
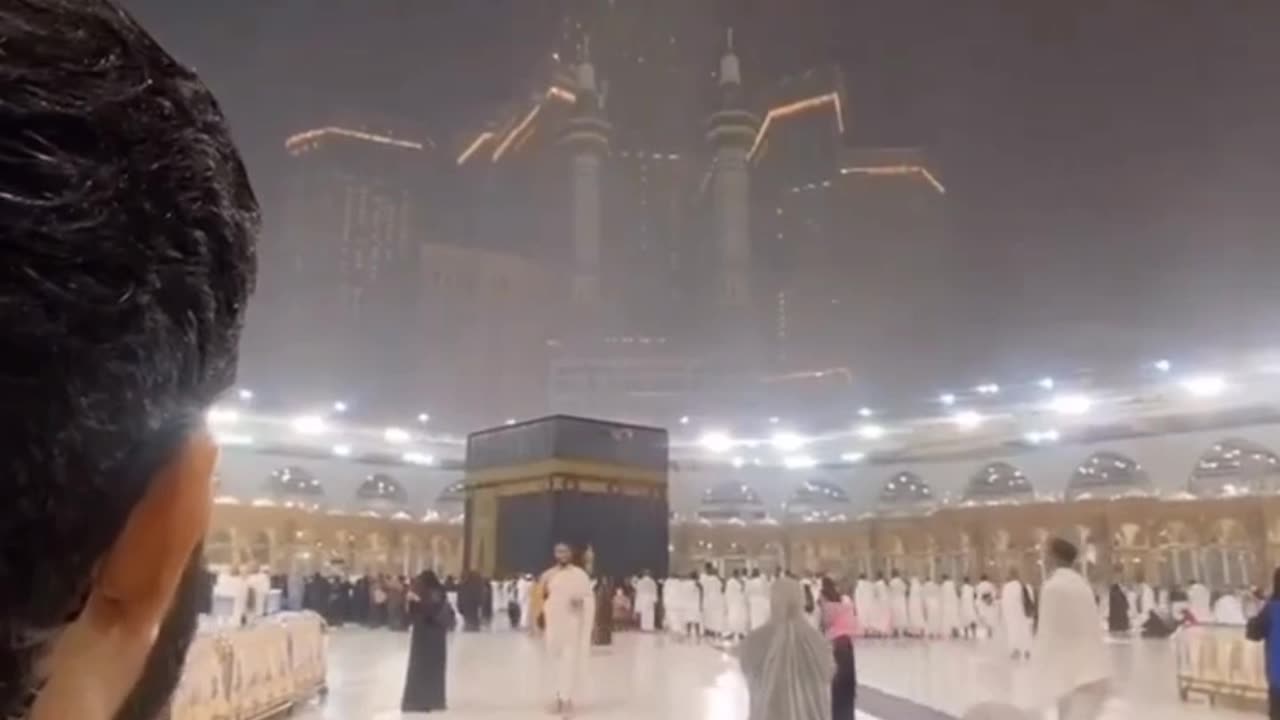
137,579
96,661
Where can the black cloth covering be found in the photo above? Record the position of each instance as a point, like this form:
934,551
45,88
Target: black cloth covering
424,683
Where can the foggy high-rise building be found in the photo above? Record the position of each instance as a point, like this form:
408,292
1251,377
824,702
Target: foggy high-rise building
344,262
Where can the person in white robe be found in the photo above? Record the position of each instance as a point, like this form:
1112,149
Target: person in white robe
949,602
568,608
988,607
524,597
880,606
863,599
788,666
231,597
898,605
1070,668
712,602
259,585
498,600
737,615
1201,601
757,599
1146,599
932,609
916,622
1228,610
646,600
968,609
1013,612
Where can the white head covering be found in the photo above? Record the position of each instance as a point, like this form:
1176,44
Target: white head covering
787,663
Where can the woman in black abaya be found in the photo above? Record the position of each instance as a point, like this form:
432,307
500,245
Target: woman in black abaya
432,620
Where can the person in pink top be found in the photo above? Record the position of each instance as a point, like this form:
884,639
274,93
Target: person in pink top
840,623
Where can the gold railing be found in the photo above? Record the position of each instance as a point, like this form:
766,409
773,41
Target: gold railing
255,672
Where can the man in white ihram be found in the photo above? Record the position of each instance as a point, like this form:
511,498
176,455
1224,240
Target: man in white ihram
646,600
1016,616
1070,667
568,611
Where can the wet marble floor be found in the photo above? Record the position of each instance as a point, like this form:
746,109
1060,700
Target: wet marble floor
497,676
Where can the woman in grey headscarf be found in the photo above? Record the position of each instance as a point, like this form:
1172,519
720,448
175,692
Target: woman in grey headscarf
787,663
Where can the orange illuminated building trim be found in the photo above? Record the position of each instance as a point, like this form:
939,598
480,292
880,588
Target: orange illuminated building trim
481,139
302,138
782,112
882,170
554,92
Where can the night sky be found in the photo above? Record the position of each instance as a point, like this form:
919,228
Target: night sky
1113,167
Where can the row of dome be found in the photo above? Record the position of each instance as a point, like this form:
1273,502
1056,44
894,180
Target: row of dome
1229,467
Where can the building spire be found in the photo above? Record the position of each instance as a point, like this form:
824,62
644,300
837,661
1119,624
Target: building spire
586,71
730,69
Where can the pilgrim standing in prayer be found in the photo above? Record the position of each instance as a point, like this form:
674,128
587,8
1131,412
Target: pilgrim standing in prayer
712,602
1017,619
787,664
646,600
524,597
1070,667
863,597
988,606
881,616
840,624
432,618
568,611
1201,601
675,604
950,608
968,609
916,622
757,599
933,608
737,615
898,604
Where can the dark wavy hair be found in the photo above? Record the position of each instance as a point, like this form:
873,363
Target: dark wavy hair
127,254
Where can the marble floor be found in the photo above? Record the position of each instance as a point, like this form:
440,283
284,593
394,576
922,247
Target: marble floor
497,676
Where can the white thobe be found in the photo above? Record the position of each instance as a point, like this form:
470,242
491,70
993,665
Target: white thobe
898,605
568,612
758,601
737,617
1229,611
233,588
880,607
1201,602
950,608
968,605
863,597
260,584
1070,660
1017,625
524,592
916,622
712,604
933,609
646,602
497,600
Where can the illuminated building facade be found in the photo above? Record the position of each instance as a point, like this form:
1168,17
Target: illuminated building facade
343,265
650,169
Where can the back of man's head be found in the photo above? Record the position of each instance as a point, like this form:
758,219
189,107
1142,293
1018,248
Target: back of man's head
127,231
1063,552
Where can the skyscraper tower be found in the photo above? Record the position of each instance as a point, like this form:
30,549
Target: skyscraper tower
731,130
587,140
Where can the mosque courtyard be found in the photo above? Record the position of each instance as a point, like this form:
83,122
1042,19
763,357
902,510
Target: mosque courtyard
498,676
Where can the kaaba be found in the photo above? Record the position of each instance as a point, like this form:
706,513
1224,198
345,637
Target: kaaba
599,486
